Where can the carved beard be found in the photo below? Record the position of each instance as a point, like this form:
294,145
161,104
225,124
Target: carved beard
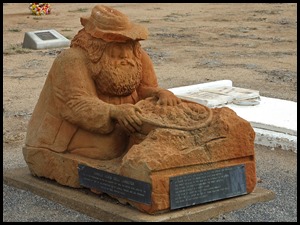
118,80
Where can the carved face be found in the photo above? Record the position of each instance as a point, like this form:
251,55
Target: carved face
121,54
121,70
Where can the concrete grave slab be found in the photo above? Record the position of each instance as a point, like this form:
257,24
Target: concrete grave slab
273,120
108,210
217,94
43,39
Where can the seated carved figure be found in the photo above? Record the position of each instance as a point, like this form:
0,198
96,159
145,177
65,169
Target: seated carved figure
101,108
87,105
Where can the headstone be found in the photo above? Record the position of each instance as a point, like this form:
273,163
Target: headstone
43,39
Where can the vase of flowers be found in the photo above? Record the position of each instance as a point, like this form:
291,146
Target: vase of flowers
39,9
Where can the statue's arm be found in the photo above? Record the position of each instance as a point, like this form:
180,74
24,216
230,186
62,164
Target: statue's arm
149,86
75,94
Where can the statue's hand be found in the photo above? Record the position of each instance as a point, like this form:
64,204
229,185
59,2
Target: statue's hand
128,116
166,97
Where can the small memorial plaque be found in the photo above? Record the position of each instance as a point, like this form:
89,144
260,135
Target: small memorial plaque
114,184
207,186
45,35
44,39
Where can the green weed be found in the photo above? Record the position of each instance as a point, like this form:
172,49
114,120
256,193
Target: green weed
79,10
14,30
16,49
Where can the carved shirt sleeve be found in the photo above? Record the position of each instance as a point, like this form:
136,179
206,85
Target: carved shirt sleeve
75,94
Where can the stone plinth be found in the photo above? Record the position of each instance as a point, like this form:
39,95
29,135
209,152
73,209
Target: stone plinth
107,210
226,141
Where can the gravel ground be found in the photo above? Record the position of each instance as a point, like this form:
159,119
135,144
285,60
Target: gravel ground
254,45
277,170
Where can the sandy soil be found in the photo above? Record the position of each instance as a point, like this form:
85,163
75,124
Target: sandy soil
254,45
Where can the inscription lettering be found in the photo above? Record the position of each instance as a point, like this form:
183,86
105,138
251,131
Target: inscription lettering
45,36
114,184
196,188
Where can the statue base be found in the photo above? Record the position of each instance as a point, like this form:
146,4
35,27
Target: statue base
107,209
167,170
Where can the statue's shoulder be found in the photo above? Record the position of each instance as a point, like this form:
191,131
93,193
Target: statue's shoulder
72,54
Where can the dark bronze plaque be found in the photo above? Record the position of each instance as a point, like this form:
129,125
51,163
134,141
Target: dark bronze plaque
45,36
207,186
114,184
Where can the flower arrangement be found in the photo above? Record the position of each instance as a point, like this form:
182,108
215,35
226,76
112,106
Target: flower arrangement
40,8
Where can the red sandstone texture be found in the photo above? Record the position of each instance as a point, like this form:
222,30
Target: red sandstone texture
228,140
101,106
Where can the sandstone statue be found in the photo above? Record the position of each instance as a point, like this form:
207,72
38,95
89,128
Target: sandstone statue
102,106
87,103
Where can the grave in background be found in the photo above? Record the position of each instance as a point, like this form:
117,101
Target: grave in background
43,39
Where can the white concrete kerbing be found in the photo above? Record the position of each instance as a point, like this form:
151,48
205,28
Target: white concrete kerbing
276,139
273,120
271,114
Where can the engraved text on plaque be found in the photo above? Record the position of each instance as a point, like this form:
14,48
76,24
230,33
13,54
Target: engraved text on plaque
207,186
45,36
114,184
